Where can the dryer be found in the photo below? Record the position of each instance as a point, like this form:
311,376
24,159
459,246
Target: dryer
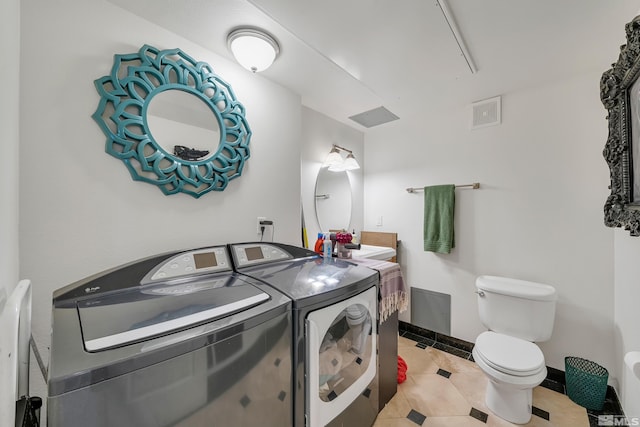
335,307
177,339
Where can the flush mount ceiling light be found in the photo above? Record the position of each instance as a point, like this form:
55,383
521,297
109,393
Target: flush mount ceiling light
336,163
254,49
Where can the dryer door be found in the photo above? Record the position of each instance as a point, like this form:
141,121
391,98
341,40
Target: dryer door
342,362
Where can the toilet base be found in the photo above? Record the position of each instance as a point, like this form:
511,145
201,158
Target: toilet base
509,403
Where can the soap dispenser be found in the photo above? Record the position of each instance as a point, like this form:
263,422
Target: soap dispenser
327,246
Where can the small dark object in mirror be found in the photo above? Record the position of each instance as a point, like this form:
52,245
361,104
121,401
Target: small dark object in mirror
186,153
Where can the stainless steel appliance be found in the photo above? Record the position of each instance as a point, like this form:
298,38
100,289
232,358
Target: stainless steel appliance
335,306
177,339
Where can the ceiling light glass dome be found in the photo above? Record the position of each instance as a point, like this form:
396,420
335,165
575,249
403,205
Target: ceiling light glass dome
254,49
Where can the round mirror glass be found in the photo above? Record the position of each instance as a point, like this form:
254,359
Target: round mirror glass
183,125
333,200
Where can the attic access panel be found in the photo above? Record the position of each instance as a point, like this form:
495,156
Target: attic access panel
375,117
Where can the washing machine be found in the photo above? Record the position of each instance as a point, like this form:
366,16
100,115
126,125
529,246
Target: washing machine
335,307
177,339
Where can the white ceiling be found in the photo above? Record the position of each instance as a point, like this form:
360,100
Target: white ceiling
345,57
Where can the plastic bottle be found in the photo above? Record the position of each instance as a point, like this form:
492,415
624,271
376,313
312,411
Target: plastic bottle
327,246
319,246
354,237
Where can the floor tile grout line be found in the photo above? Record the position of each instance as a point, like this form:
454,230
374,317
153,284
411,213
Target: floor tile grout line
615,411
538,412
548,383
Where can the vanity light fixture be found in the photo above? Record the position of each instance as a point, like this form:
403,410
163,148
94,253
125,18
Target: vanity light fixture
350,163
334,158
336,163
253,48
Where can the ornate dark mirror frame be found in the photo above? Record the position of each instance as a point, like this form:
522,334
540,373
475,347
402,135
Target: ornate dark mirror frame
620,97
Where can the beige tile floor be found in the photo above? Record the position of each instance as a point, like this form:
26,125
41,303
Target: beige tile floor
443,390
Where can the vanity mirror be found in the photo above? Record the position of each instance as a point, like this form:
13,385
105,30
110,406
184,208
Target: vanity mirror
172,121
333,200
620,94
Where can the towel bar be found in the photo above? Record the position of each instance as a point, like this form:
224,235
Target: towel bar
474,186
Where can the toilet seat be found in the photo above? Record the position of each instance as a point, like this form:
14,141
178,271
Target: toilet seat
509,355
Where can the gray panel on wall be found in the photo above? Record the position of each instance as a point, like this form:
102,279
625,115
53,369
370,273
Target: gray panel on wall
431,310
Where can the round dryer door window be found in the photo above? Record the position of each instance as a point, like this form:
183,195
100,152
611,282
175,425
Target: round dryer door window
342,354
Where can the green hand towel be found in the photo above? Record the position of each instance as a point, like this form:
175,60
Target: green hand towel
439,204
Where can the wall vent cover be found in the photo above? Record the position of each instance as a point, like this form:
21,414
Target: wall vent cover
486,113
431,310
374,117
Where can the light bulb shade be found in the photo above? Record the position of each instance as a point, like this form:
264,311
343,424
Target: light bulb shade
334,158
337,168
351,163
253,49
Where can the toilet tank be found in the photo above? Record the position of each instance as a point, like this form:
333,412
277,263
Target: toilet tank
517,308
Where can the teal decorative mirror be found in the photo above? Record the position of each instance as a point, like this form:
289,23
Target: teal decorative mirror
172,121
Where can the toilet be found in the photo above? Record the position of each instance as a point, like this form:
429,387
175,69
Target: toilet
517,314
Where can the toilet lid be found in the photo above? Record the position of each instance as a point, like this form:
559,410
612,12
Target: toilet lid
510,355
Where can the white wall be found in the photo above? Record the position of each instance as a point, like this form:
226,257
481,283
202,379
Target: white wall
537,216
9,123
81,212
627,295
319,132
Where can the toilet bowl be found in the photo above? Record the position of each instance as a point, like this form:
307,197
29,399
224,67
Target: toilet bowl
517,314
514,367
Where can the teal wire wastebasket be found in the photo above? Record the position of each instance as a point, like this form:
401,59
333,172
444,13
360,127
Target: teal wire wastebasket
586,382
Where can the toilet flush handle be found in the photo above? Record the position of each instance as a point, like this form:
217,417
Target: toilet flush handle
480,293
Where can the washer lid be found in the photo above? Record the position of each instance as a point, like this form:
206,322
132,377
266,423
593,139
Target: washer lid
508,354
114,320
306,279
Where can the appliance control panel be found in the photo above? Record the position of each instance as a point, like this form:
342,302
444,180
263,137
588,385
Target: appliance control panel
186,288
190,263
258,253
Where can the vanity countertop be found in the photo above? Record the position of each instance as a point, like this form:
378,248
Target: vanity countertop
373,252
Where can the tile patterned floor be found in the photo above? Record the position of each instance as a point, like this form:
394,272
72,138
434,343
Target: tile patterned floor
444,390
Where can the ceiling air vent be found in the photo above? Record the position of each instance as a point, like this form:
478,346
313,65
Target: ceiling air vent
486,113
374,117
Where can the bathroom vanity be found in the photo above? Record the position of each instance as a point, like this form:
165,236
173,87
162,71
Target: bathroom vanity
373,252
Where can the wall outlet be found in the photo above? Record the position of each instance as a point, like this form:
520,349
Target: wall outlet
260,218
